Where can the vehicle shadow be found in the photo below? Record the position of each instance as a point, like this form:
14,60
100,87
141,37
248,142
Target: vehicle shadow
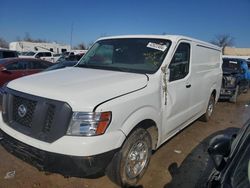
196,167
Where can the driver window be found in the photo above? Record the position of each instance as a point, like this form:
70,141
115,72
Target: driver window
179,66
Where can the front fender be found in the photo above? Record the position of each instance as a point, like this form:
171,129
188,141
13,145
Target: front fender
144,113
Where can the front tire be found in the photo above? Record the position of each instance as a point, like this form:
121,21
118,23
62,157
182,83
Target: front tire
131,162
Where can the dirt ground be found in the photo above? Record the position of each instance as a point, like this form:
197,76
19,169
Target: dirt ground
178,163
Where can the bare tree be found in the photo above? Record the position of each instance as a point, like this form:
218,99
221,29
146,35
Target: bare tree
223,40
18,38
80,46
90,44
3,43
28,38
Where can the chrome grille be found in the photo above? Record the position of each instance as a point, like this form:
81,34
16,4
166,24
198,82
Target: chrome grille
38,117
30,105
49,118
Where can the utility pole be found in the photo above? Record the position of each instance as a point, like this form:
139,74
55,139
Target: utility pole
71,33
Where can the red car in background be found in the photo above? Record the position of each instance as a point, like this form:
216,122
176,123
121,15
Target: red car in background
12,68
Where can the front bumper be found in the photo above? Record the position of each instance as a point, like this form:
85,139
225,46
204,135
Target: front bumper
67,165
227,93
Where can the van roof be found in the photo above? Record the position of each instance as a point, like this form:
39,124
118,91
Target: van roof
175,38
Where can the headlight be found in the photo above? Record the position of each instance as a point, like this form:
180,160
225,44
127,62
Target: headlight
89,123
230,81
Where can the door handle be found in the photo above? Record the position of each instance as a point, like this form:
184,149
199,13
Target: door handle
188,86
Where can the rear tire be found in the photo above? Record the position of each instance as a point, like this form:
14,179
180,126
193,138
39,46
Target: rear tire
235,96
131,162
210,108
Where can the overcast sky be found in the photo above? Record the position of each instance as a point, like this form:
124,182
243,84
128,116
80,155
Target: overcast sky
54,20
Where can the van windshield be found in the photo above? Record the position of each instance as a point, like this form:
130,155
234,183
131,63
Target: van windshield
139,55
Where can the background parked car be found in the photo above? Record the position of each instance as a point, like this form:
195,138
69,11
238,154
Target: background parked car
248,63
12,68
70,56
234,81
48,56
5,53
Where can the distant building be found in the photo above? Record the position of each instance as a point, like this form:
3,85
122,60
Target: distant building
23,46
243,52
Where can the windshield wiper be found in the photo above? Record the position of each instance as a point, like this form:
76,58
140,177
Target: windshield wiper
122,69
82,65
90,66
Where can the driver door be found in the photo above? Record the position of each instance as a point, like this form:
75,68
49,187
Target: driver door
177,112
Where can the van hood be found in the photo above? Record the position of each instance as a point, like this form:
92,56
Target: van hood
81,88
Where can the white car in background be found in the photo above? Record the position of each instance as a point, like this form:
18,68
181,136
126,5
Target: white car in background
48,56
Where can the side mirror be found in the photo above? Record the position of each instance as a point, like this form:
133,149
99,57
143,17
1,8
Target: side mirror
3,69
171,71
219,148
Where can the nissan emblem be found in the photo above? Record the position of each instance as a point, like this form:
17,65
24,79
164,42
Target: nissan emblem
22,110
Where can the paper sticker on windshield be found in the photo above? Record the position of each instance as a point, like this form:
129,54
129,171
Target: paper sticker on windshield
157,46
234,62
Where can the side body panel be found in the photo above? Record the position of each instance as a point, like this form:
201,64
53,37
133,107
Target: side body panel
187,98
207,63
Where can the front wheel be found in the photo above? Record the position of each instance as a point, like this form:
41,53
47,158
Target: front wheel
130,163
210,108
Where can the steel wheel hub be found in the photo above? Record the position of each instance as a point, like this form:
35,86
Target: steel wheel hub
137,159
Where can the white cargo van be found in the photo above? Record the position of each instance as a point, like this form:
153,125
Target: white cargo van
125,97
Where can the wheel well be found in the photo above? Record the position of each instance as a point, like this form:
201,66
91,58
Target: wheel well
214,94
152,129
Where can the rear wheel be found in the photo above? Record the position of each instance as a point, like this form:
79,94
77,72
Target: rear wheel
235,96
210,108
130,163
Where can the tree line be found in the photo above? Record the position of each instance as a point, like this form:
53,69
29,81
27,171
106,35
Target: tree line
28,38
221,40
